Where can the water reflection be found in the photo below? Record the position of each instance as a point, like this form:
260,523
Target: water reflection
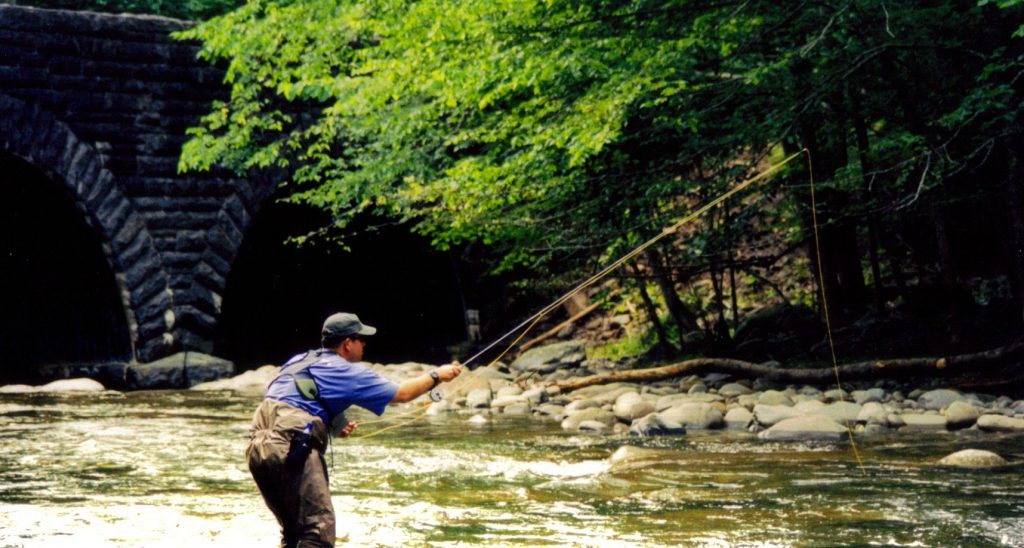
166,469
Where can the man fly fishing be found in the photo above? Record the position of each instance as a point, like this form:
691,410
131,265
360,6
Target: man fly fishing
294,418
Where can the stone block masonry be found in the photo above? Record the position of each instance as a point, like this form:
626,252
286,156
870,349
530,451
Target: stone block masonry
100,103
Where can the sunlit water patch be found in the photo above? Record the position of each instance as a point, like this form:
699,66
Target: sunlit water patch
166,469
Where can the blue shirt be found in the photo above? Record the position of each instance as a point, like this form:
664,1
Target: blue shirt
341,384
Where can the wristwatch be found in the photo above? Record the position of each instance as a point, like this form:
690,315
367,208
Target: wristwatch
437,380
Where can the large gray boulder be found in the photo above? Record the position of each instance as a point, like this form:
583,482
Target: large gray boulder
869,395
694,416
973,458
769,415
671,400
938,399
572,422
961,414
738,418
181,370
774,397
545,359
999,423
873,412
631,406
656,425
551,410
505,401
734,389
805,428
250,382
922,421
479,398
843,412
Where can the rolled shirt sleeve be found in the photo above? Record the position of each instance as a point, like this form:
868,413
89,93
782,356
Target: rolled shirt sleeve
343,384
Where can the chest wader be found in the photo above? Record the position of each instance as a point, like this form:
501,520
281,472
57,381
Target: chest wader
302,443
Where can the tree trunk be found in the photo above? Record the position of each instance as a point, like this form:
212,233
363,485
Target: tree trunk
947,268
861,130
819,376
684,321
652,311
840,257
1014,199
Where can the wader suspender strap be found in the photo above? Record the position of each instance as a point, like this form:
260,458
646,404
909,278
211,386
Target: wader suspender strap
304,382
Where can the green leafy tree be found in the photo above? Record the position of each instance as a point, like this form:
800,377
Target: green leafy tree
561,133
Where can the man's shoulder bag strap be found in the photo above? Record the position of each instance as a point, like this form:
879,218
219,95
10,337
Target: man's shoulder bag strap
305,384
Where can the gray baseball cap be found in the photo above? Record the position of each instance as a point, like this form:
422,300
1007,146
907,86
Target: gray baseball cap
344,324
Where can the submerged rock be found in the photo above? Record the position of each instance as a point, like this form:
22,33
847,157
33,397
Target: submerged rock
973,458
181,370
628,453
71,385
16,389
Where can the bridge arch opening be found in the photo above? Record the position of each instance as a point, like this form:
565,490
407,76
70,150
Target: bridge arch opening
277,295
59,298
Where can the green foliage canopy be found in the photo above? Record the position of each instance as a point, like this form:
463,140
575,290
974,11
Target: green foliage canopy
550,129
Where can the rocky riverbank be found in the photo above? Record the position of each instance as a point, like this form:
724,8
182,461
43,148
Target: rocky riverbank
705,402
527,387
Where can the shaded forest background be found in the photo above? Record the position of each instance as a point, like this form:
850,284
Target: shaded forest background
536,141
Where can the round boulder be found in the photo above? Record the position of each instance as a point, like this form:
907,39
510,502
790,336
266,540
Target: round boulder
806,428
999,423
738,418
961,414
545,359
655,425
938,399
973,458
694,416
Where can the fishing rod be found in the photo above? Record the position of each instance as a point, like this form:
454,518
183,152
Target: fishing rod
528,324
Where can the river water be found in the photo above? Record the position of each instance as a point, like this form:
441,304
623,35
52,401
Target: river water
166,468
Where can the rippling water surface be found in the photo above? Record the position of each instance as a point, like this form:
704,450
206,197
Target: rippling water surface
167,469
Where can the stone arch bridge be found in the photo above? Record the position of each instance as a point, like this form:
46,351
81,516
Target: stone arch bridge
98,105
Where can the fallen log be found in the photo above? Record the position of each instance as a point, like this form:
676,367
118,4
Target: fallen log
824,375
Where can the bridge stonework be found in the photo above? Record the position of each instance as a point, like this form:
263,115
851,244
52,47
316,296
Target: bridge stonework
100,103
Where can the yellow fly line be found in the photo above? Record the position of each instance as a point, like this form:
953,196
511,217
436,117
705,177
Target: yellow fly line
530,324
